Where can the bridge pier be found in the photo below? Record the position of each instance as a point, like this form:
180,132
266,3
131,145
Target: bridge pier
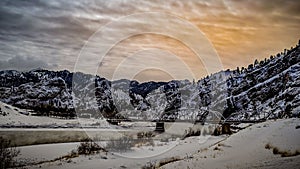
160,127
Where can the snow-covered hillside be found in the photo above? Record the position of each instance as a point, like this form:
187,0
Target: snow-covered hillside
11,116
265,89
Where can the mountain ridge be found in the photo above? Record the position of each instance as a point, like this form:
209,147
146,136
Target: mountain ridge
266,89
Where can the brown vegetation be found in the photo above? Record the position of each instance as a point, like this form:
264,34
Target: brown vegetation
158,164
89,147
7,153
126,143
222,129
283,153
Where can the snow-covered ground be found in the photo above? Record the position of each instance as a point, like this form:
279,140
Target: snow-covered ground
44,152
15,117
136,158
245,149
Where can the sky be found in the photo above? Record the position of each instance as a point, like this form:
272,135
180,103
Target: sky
122,39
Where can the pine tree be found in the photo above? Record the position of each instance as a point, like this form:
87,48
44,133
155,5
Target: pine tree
278,54
261,63
250,66
255,62
238,70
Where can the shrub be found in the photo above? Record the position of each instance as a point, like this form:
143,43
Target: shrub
268,146
2,112
89,147
282,153
191,132
120,145
286,154
140,134
217,131
143,142
72,154
7,153
159,164
148,134
166,161
125,143
275,150
149,165
164,139
217,148
289,153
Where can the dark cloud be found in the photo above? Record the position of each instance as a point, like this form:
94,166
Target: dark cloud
51,33
24,63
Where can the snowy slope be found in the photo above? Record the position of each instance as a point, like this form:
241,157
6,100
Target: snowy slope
11,116
247,148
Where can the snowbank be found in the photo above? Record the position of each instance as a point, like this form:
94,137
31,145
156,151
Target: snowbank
247,148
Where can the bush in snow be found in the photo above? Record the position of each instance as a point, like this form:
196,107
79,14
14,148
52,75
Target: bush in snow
89,147
283,153
7,153
120,145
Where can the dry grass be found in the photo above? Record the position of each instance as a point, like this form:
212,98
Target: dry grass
167,160
125,143
7,154
290,154
89,147
275,150
190,132
122,144
144,142
159,164
148,134
268,146
283,153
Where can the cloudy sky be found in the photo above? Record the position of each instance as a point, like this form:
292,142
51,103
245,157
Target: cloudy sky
57,35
